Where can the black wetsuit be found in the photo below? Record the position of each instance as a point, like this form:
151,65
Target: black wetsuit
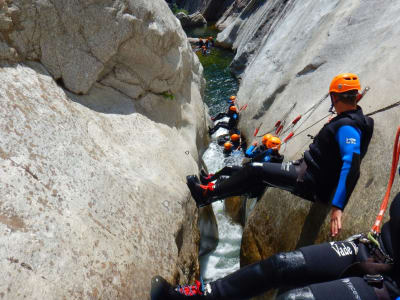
326,271
317,175
231,124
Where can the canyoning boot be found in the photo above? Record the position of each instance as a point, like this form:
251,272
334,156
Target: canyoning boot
206,178
162,290
201,193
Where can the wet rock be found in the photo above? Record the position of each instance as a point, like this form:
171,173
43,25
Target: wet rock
212,10
208,230
234,208
101,120
305,46
193,20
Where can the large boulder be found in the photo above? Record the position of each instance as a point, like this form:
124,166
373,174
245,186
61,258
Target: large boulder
101,120
194,20
212,10
299,48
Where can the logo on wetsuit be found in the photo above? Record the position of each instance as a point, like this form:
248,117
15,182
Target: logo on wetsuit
351,287
342,249
352,141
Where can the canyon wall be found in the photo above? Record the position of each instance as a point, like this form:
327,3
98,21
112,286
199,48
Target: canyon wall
101,120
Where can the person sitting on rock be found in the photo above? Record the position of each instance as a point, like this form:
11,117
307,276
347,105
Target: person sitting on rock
221,115
270,154
268,151
231,124
232,100
353,269
331,166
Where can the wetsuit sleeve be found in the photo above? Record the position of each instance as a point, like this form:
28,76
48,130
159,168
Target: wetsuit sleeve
249,152
349,140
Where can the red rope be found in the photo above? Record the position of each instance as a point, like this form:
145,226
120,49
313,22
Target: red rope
395,161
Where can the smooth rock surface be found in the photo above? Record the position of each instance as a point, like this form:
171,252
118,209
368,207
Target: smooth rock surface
194,20
291,57
92,166
212,10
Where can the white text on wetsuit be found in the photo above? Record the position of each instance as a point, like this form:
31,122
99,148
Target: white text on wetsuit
341,249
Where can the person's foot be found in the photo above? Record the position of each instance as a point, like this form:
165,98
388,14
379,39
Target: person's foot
162,290
206,178
200,193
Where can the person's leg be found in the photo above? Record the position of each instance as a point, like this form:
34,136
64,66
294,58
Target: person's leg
225,171
219,116
218,126
283,269
278,175
252,175
353,288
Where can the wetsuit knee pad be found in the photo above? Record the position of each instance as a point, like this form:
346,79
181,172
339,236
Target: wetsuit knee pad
286,268
304,293
252,280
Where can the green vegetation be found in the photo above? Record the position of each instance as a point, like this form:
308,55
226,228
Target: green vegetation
220,82
175,9
168,95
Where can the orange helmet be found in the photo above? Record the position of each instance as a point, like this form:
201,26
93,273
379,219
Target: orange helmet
233,108
265,138
204,47
274,143
228,146
344,82
232,98
235,137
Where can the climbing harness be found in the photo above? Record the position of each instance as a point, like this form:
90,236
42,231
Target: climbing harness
375,230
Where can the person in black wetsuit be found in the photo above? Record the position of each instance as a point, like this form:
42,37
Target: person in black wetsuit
329,271
231,124
331,166
228,148
231,102
269,153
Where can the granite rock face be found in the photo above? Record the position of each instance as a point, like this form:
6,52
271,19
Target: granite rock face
287,54
101,120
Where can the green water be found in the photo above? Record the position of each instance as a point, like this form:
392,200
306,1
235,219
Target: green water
220,82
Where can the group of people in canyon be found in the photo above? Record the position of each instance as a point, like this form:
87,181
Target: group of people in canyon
205,45
357,268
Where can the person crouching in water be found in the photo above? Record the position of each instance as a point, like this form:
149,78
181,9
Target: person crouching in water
353,269
331,166
231,124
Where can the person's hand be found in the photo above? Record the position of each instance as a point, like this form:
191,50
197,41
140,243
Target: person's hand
255,143
336,221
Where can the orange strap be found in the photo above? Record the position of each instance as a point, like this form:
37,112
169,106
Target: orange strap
395,161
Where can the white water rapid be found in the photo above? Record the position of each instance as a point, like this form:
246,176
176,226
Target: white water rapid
225,258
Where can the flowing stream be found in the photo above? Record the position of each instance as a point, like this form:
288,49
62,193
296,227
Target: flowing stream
220,86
